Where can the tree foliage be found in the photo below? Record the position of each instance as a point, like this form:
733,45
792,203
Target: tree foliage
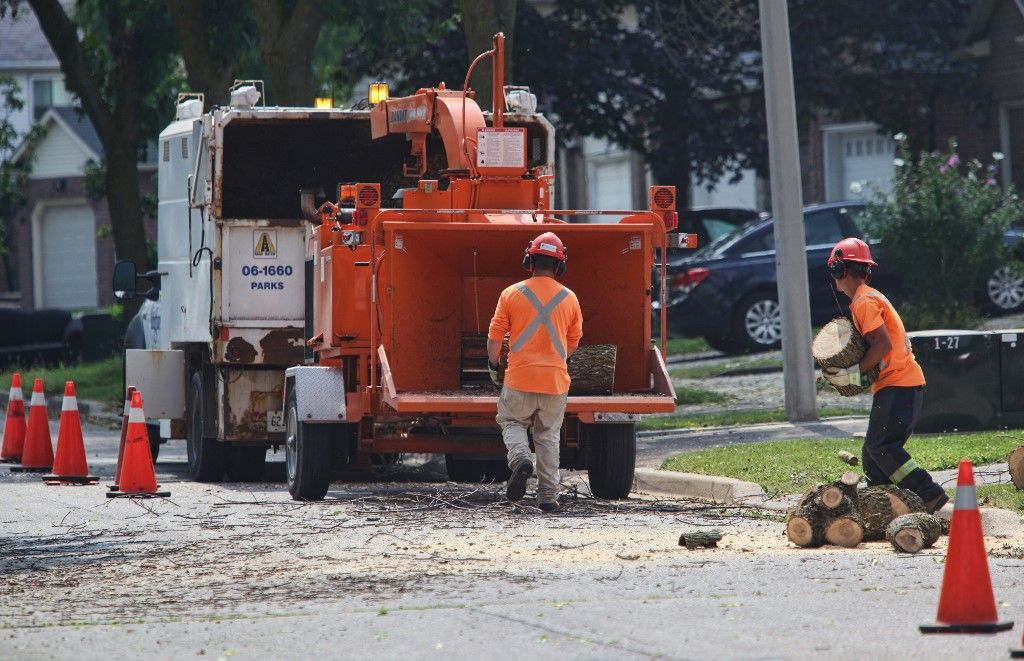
942,233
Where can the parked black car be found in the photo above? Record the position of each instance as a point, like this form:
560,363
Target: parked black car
709,223
726,291
48,337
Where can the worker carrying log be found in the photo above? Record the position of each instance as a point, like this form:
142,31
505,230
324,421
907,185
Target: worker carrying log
898,392
545,324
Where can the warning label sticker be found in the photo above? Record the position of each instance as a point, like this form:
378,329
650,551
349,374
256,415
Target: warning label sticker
264,244
501,148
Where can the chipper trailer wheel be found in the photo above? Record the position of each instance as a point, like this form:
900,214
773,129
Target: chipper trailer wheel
307,454
611,458
205,454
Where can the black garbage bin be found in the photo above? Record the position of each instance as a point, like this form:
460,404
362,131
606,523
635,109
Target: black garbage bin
963,372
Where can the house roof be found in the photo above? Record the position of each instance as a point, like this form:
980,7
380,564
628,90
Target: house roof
74,121
22,43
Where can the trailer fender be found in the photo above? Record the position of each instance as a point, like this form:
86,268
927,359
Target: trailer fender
319,393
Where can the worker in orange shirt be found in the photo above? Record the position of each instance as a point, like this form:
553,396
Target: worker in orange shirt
543,320
898,392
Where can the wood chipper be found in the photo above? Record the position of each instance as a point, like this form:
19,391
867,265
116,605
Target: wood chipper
402,297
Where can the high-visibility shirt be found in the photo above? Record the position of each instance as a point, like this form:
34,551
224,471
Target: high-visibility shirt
545,324
871,309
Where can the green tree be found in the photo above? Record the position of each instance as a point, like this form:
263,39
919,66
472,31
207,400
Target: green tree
941,231
117,57
13,176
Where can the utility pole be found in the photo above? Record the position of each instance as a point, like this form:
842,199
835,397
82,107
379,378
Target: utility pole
787,208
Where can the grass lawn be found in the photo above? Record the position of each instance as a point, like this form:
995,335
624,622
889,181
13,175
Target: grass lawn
723,418
683,345
709,371
1001,495
97,381
688,395
792,466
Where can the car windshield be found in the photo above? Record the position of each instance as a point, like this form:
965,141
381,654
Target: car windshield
716,246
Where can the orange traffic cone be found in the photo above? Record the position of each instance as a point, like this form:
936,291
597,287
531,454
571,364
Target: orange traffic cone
37,455
137,476
124,434
14,427
69,466
967,604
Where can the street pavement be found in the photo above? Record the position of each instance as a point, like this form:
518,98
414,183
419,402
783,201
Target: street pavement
405,565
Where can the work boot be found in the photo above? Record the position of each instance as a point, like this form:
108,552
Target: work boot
550,508
936,503
516,488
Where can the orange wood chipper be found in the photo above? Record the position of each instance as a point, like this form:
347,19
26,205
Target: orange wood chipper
402,298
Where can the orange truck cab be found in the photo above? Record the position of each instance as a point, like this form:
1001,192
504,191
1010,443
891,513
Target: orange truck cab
402,296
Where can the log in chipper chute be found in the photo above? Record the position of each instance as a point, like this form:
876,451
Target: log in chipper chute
402,298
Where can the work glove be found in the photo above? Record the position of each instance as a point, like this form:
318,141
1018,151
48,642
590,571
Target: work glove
497,372
845,376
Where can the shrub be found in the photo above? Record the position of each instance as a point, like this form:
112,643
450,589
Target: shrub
941,232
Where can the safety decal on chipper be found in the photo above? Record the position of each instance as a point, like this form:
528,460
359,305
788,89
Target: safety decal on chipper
264,244
501,149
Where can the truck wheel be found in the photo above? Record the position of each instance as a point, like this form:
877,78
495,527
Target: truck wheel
246,463
205,455
476,470
307,452
611,458
153,432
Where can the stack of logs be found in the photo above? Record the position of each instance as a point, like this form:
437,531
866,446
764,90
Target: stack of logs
839,514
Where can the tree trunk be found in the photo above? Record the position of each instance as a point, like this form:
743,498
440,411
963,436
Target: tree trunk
481,19
1016,462
592,370
286,40
206,72
846,531
912,532
700,538
124,203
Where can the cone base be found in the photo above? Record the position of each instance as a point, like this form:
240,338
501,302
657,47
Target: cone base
71,479
139,494
984,627
1017,652
10,460
31,469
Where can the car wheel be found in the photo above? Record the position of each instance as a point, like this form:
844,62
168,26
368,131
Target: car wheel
1005,289
757,325
721,343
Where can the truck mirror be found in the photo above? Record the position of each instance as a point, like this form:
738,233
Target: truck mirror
125,279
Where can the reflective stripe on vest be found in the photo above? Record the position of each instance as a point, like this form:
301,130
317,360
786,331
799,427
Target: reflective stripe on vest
543,317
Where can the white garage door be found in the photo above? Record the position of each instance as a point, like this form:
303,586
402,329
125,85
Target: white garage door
67,251
609,186
867,163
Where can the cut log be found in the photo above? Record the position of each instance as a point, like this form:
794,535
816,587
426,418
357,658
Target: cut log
1016,462
700,538
904,501
846,531
840,494
879,505
912,532
804,531
848,458
592,370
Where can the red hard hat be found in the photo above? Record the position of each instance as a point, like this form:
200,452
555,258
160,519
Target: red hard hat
548,244
851,250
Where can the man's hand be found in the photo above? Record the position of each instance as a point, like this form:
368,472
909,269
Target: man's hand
844,376
497,372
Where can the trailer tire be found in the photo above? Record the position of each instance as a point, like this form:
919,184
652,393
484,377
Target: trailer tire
611,458
307,455
205,454
476,470
246,463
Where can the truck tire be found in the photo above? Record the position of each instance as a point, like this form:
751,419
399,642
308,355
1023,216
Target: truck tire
611,458
205,454
245,463
307,452
476,469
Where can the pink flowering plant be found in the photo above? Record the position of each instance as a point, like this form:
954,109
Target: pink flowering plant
941,232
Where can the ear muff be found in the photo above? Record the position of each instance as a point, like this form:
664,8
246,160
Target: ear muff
837,268
528,258
560,267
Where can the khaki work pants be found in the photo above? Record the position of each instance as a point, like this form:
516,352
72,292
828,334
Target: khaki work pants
517,412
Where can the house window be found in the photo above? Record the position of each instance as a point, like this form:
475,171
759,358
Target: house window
47,93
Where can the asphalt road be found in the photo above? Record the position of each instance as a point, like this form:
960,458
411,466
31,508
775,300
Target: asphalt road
408,566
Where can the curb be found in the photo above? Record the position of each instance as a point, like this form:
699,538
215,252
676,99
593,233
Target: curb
725,490
761,426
